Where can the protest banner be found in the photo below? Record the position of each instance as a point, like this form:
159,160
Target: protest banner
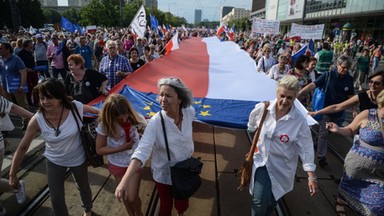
307,31
262,26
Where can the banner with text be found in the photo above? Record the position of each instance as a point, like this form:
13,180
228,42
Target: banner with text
139,22
307,31
265,26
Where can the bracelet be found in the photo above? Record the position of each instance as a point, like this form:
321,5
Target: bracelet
314,179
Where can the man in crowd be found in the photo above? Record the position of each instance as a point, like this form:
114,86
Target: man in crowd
87,53
340,88
40,54
324,59
116,67
13,66
55,55
26,55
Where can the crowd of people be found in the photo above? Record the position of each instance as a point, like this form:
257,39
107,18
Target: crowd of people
58,72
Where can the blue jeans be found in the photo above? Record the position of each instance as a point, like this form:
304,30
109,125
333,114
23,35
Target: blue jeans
263,201
375,64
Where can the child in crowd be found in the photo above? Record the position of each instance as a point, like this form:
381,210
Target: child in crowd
117,137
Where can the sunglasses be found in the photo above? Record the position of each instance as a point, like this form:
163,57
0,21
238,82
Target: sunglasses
376,83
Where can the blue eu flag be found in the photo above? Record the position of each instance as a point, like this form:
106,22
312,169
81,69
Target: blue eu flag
67,25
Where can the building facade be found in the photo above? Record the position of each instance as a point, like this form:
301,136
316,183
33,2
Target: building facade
361,17
225,10
235,14
198,14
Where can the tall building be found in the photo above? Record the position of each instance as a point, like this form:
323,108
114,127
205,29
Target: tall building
235,14
198,13
258,9
225,10
341,18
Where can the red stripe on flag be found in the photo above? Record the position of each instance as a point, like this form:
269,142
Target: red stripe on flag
190,63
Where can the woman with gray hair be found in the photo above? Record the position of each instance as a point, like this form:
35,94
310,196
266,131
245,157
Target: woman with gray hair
175,100
284,137
362,185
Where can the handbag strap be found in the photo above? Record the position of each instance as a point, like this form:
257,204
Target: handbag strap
165,136
73,110
327,77
257,135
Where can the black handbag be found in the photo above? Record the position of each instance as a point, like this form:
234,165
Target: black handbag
185,175
88,139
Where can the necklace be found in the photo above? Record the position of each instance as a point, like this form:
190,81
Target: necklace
57,130
370,95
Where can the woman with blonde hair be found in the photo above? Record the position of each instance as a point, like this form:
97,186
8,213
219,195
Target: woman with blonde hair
284,138
117,137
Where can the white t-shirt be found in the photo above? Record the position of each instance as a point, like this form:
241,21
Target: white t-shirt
123,158
66,149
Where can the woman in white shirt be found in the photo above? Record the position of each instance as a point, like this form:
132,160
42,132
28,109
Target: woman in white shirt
284,137
280,69
175,100
266,61
63,147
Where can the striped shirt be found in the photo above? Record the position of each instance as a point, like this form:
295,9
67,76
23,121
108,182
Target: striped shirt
109,67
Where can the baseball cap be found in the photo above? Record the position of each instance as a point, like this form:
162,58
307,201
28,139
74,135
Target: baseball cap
39,36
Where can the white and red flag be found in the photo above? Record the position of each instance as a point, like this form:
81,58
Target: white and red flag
173,44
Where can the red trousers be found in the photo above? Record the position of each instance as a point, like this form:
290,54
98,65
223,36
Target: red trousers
166,201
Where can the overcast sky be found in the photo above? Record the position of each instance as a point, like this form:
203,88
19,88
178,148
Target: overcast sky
186,8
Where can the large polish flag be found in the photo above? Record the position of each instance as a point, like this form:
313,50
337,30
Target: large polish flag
223,79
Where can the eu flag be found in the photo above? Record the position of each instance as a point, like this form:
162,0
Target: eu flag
67,25
154,22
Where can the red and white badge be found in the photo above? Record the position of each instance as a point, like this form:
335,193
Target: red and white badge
284,138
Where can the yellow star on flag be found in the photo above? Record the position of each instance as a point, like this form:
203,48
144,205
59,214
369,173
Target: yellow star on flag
205,113
206,106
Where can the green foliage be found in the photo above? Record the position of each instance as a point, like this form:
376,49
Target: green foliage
51,16
242,24
5,15
71,14
30,13
101,13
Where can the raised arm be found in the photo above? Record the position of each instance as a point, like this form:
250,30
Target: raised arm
337,107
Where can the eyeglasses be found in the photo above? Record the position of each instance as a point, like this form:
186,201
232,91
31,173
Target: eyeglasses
376,83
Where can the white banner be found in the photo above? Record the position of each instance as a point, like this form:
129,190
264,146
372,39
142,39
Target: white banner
265,26
295,9
307,31
139,22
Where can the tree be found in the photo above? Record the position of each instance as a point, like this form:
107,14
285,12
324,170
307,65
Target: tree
129,11
71,14
100,12
30,13
5,15
51,16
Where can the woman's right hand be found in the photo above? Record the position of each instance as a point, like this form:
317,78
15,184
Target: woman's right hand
14,182
331,126
121,191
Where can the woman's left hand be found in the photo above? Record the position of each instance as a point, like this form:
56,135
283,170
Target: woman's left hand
313,187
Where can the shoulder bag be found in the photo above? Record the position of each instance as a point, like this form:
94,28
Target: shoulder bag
88,139
246,169
185,175
318,100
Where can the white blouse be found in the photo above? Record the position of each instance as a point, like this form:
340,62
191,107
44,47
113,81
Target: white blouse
280,144
181,146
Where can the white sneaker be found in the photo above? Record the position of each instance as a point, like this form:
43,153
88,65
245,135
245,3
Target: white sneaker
3,212
20,194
